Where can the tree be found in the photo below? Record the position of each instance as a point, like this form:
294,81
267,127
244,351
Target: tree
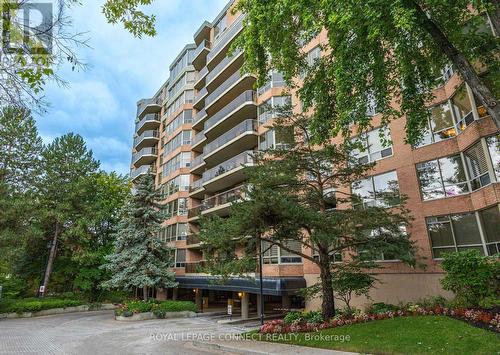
66,192
21,147
296,199
386,54
140,258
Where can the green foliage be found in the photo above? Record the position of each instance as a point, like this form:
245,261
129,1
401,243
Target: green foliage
159,308
471,277
12,287
140,259
127,12
381,307
375,51
35,304
352,281
295,317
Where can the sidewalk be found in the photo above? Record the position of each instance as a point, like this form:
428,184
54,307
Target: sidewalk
263,347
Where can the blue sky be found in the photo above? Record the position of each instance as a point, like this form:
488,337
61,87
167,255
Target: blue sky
100,102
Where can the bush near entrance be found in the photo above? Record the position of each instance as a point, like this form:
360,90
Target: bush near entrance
35,304
158,308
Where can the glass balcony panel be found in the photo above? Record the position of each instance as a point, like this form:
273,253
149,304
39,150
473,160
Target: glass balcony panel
245,126
246,96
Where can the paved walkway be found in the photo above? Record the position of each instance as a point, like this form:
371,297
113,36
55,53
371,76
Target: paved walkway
96,333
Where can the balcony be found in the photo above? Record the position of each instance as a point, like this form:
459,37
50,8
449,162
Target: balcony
199,98
147,138
239,138
149,122
199,118
227,173
145,156
197,164
198,139
277,80
221,202
228,65
194,212
237,81
192,239
146,106
196,189
243,106
225,38
200,78
200,54
142,170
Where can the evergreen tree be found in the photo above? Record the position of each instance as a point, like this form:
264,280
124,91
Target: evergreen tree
140,258
298,196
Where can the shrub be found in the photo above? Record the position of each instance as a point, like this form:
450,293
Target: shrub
313,317
381,307
159,308
293,317
471,277
35,304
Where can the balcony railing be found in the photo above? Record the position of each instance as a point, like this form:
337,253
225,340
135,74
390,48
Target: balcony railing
245,126
192,239
192,268
277,80
235,162
146,102
201,74
196,185
200,94
197,161
223,198
195,211
205,44
146,134
246,96
149,117
223,87
225,37
199,116
216,71
145,169
143,152
198,137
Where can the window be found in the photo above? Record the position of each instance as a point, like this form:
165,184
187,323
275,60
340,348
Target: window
173,232
490,218
176,207
276,255
454,233
220,26
493,144
373,146
182,138
184,117
267,110
477,166
181,160
462,108
178,183
181,63
442,177
313,55
279,138
330,199
374,253
379,190
180,258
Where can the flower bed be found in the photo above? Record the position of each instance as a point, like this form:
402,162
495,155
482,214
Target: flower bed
158,308
485,319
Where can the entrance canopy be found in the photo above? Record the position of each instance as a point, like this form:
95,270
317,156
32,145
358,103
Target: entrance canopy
279,286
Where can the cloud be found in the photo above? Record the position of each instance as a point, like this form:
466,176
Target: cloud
100,103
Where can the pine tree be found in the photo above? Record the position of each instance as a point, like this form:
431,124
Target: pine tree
140,258
297,196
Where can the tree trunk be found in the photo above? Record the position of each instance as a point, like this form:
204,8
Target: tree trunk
328,303
52,257
145,293
460,62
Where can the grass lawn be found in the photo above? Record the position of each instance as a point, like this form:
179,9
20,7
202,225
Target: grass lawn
405,335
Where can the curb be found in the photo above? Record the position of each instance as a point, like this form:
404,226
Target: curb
53,311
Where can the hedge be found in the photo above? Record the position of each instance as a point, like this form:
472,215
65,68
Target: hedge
159,308
35,304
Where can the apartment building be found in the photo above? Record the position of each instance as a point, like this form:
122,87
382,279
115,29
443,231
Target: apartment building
199,131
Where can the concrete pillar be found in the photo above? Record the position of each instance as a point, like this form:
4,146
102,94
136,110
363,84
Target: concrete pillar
197,299
285,302
174,294
245,300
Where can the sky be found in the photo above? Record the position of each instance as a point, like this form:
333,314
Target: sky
100,103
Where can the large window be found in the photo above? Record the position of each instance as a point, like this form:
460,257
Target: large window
180,258
442,177
477,166
173,232
276,255
184,117
181,160
279,138
449,118
374,146
178,183
176,207
458,232
267,110
493,144
379,190
183,138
